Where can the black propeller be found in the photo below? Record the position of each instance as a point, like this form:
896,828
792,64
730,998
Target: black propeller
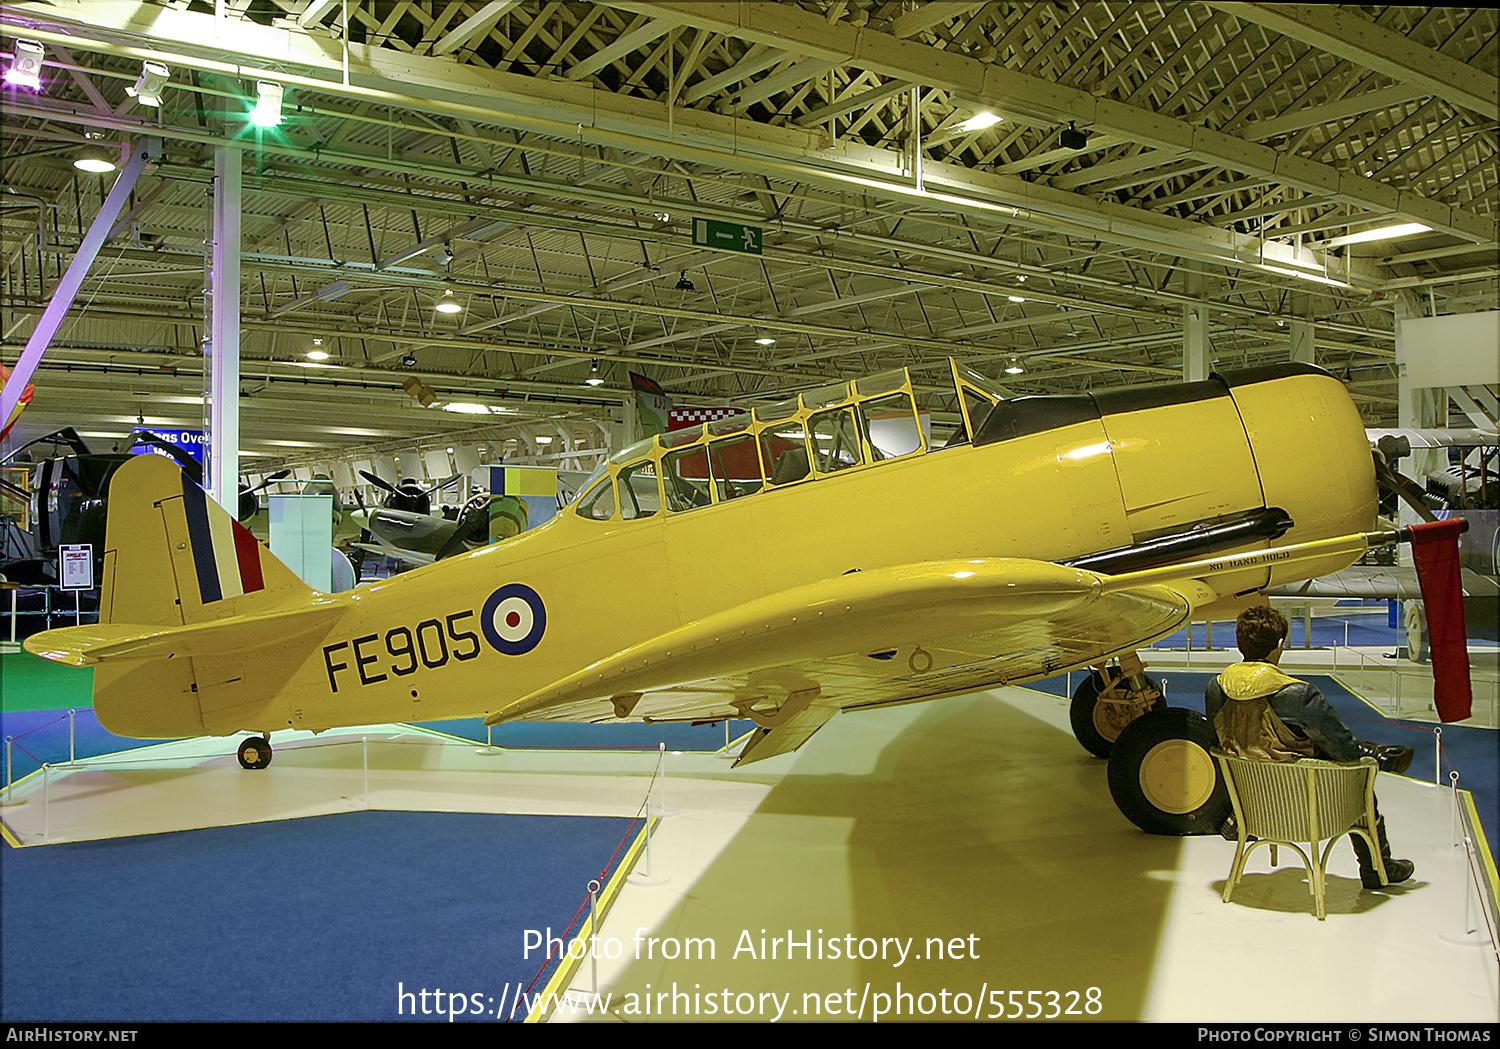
249,505
407,496
473,528
1397,486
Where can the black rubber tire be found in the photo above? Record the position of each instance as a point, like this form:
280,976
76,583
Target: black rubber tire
255,753
1163,777
1081,714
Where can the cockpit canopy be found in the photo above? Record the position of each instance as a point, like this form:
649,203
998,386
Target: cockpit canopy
830,430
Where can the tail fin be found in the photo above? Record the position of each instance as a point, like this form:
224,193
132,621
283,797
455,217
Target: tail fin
174,557
200,626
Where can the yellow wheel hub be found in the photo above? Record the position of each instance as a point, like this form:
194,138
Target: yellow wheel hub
1177,776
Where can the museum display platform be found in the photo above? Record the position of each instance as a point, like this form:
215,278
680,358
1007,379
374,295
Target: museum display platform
975,823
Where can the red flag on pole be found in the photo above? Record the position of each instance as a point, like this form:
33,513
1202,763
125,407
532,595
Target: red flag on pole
1434,548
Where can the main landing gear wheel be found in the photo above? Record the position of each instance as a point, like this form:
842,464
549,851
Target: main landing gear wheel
1101,710
1163,777
255,753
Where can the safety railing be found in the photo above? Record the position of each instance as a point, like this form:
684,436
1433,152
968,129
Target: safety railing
58,607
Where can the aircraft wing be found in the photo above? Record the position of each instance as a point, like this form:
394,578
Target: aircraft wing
1376,581
792,660
1437,438
411,557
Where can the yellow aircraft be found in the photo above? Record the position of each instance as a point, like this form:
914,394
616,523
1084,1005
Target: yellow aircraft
782,566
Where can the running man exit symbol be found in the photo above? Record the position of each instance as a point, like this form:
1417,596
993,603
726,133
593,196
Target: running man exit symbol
727,236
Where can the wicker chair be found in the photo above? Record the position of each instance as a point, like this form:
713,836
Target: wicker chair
1292,802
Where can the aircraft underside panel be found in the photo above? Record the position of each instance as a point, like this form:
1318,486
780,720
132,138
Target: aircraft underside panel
957,638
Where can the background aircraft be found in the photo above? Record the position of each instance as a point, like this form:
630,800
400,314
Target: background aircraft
405,528
69,502
750,568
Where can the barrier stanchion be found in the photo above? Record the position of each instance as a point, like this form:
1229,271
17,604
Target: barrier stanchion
1458,819
72,739
1437,756
650,878
46,812
1476,929
364,762
593,888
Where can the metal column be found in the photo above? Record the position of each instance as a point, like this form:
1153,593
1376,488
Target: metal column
222,442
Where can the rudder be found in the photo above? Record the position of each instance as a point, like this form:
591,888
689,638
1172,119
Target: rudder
174,557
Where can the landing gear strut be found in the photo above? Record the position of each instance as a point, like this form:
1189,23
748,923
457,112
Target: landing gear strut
1109,699
255,752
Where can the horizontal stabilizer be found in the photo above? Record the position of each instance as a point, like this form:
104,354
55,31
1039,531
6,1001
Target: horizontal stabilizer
85,646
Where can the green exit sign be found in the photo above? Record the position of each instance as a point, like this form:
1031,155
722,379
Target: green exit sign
727,236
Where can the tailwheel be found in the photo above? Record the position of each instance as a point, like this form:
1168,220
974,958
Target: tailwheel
1163,777
1108,700
255,753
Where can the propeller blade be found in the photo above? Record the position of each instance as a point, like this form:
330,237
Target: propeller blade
473,527
378,482
1408,490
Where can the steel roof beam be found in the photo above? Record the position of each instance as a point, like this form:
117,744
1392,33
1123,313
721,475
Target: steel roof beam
1344,32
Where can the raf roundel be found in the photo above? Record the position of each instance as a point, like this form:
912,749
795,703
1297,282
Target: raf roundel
514,619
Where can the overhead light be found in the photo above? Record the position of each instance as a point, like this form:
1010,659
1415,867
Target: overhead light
267,111
466,408
543,439
1402,229
408,361
317,355
978,122
1015,367
447,303
148,86
1020,278
765,340
1072,138
683,284
26,66
1015,298
96,158
594,378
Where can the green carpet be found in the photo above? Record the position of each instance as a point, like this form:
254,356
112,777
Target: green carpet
28,682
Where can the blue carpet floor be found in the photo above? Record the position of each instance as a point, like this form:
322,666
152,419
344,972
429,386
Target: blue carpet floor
625,736
328,918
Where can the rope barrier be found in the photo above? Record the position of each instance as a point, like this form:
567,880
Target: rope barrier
630,832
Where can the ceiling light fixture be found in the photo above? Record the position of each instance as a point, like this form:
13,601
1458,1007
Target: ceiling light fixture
594,379
1072,138
96,158
1400,229
1015,298
267,111
466,408
543,439
447,303
683,284
978,122
765,340
26,66
148,86
1015,367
